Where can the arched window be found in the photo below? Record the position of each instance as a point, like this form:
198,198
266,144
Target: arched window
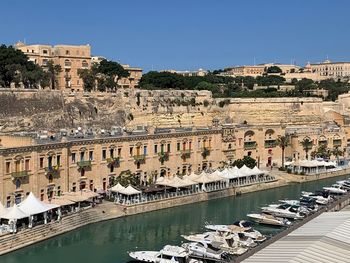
18,183
84,64
67,63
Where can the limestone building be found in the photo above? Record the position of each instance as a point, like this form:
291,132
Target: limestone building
336,70
71,58
51,164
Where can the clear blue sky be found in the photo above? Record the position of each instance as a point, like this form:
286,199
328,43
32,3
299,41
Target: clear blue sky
186,34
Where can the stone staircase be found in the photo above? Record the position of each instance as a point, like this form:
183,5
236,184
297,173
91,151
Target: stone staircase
27,237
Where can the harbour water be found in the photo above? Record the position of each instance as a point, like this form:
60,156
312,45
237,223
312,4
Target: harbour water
109,242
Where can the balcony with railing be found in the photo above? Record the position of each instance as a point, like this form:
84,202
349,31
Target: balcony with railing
163,157
140,158
84,164
250,145
337,142
206,152
113,161
19,174
52,169
270,143
185,154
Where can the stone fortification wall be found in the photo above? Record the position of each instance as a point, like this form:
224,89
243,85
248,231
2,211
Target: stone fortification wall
53,110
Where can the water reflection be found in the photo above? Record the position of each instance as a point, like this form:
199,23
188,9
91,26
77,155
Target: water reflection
109,241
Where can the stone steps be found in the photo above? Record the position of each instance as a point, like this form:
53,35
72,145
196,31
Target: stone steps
29,236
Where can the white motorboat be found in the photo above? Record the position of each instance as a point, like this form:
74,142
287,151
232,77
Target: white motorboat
345,184
247,231
319,199
267,219
169,254
205,251
290,202
283,210
335,189
230,243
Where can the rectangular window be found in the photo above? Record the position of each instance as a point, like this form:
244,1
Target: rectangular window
91,155
58,160
168,148
190,145
41,162
131,150
178,146
155,148
119,152
26,165
82,156
8,166
145,150
104,155
162,148
111,153
73,157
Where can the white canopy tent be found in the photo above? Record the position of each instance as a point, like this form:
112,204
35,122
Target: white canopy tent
32,206
246,171
130,191
117,188
14,213
257,171
3,210
163,180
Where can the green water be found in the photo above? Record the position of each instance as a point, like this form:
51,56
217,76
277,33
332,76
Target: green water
108,242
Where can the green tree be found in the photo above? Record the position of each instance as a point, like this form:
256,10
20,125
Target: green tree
112,71
283,142
307,146
337,152
16,68
247,161
52,71
274,69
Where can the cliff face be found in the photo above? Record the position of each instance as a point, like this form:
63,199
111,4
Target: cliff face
53,110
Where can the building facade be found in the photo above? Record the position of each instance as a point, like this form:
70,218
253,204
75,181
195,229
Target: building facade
50,166
71,58
336,70
258,70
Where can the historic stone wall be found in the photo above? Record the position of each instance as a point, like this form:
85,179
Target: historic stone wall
53,110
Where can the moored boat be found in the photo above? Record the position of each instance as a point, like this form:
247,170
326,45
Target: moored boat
169,254
267,219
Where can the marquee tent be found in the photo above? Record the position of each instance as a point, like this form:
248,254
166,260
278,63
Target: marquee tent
14,213
117,188
32,206
130,191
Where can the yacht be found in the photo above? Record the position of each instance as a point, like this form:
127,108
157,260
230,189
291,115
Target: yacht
283,210
230,243
335,189
345,184
205,251
290,202
237,227
169,254
271,220
319,199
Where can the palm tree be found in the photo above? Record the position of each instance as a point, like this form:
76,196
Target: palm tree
283,142
53,70
337,152
307,146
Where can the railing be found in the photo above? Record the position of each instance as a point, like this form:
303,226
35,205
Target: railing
250,145
206,152
84,164
185,154
270,143
19,174
52,169
163,156
140,158
113,161
212,187
336,142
